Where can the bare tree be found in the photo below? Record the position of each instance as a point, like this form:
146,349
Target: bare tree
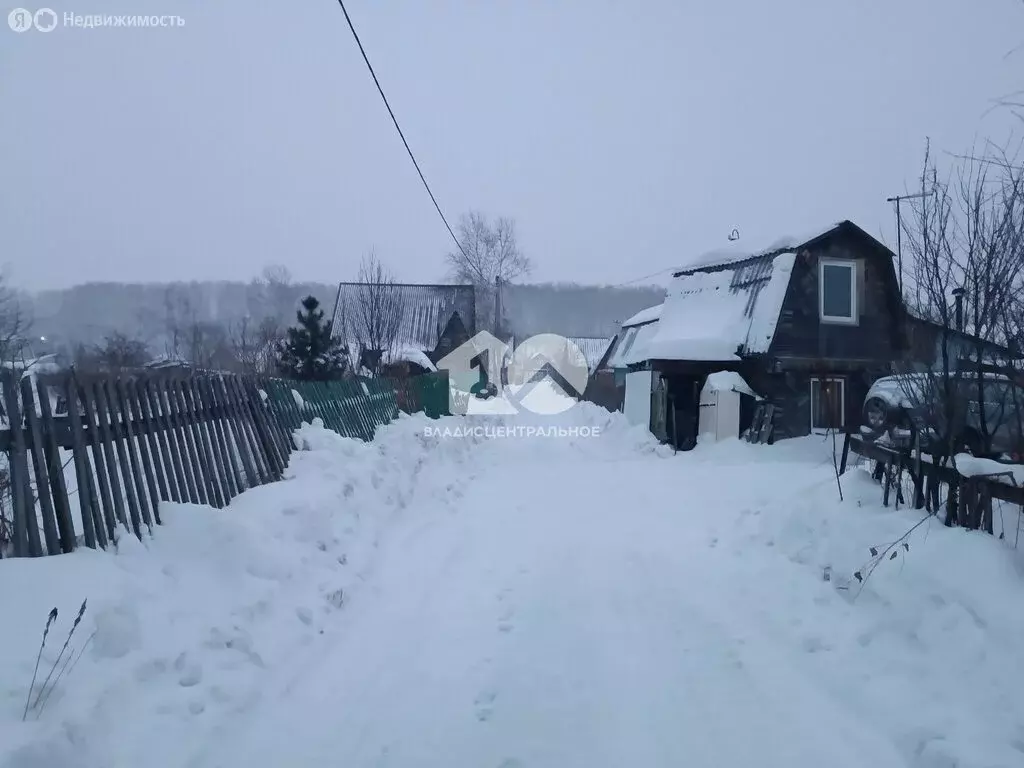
273,294
193,340
375,320
12,347
117,353
965,239
489,252
14,325
253,344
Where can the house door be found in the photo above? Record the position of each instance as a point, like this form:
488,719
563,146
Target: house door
828,403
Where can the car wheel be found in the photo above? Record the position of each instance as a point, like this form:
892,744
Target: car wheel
876,417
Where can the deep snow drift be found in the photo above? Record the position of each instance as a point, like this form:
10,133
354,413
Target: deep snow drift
527,601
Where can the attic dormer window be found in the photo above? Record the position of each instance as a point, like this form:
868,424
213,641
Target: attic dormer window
837,291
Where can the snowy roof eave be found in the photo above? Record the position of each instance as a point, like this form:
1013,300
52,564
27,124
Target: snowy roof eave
648,315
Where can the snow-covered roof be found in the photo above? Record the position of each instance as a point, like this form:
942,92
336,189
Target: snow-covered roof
648,315
42,364
639,350
593,349
729,381
408,355
632,345
723,256
716,313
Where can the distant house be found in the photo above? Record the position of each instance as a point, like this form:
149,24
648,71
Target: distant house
433,321
587,316
630,346
809,323
925,342
608,378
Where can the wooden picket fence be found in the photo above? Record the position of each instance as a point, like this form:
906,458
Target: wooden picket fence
89,454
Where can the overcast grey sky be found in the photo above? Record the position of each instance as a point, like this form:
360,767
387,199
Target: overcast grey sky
623,137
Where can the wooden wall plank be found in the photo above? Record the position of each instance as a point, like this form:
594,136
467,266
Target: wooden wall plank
152,403
241,401
186,441
148,446
238,432
147,496
103,457
55,472
22,503
122,467
93,525
41,467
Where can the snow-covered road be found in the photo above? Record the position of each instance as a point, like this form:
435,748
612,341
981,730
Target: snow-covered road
557,618
529,603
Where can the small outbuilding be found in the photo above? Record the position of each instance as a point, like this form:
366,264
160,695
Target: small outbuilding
726,406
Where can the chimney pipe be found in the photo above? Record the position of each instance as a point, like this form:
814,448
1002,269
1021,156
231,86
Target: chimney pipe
958,299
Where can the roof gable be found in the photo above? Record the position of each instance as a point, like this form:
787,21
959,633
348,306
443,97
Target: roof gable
721,259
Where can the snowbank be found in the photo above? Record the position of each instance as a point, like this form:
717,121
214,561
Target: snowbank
224,610
190,623
927,636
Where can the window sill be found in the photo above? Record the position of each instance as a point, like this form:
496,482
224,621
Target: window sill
825,320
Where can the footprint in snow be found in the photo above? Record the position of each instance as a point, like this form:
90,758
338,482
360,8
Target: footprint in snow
484,704
812,644
190,673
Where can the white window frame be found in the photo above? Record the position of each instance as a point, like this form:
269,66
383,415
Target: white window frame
854,309
842,400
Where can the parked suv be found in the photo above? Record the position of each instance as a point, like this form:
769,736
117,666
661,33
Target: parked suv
897,407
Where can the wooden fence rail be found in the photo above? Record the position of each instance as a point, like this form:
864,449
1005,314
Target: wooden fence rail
968,499
88,454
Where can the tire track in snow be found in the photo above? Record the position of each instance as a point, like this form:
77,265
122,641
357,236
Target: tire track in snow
530,633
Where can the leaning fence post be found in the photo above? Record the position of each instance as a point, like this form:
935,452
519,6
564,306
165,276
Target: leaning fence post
846,452
58,485
275,462
22,504
41,466
93,523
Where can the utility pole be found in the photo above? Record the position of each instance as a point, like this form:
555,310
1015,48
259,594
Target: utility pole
899,229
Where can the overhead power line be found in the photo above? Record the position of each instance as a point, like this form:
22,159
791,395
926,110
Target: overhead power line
647,277
394,119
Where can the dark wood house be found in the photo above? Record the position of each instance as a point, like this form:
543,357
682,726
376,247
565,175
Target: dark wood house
809,324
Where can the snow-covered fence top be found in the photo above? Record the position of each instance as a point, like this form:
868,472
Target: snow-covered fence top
971,483
87,455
